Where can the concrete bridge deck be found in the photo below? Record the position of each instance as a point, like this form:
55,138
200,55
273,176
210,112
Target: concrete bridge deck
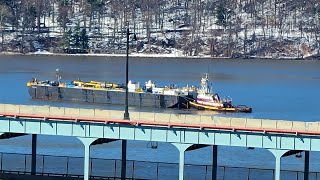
185,131
160,119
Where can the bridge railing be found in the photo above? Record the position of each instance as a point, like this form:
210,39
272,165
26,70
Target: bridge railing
66,166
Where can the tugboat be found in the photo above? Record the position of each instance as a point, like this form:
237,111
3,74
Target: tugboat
207,100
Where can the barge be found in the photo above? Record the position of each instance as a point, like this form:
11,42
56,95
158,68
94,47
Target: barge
110,93
148,95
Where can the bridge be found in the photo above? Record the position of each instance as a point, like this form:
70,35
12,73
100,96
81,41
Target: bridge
185,131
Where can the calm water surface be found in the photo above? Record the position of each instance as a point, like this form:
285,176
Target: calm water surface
275,89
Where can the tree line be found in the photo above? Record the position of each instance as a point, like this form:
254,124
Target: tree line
224,27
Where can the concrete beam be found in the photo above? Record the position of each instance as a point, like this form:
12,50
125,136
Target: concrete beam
312,126
284,124
182,148
87,142
238,122
277,154
254,123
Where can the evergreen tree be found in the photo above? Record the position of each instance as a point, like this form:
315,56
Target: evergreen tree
4,14
64,7
29,16
67,39
84,40
76,37
221,16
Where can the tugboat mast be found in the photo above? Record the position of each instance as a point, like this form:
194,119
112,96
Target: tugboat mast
205,83
58,76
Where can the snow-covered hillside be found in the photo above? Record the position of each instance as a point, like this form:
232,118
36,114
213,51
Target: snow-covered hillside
206,28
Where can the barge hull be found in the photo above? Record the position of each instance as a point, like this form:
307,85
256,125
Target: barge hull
104,96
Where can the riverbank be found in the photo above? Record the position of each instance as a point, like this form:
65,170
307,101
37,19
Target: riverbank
174,55
112,55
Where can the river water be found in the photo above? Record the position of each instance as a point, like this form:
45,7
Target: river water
275,89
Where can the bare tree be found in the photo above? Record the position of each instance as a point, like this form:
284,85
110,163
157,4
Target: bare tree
4,13
64,8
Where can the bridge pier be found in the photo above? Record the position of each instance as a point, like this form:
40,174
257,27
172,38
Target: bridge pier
34,155
86,142
277,154
306,164
182,148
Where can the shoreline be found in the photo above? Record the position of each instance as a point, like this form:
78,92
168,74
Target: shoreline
159,56
135,55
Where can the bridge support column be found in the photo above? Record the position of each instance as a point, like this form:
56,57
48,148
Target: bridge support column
182,148
277,154
34,155
306,165
87,142
124,160
214,161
